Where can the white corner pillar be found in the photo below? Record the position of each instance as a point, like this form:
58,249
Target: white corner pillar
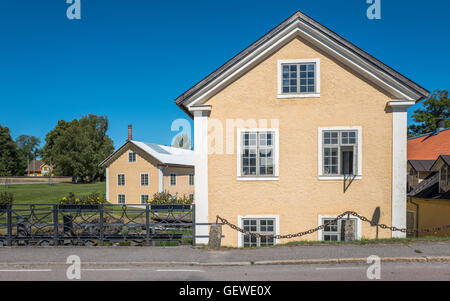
160,179
107,184
201,174
399,161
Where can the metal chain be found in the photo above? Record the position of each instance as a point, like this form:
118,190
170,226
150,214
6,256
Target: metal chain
321,227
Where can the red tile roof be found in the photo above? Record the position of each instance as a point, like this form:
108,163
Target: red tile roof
429,147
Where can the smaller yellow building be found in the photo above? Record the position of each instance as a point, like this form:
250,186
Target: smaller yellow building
429,202
37,168
138,170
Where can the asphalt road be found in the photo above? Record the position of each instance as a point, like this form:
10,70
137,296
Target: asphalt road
319,272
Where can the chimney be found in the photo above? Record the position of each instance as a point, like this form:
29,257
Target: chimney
130,133
440,125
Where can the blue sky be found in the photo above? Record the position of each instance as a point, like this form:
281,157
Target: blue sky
130,59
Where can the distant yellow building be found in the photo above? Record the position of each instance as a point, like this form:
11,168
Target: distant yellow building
138,170
37,168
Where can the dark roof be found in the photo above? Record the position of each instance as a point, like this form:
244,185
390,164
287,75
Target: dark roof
34,165
429,189
421,165
180,101
444,158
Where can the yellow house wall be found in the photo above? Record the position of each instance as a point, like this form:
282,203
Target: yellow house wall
182,186
133,170
432,214
299,197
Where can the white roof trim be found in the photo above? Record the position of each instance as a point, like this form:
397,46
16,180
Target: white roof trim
303,30
162,153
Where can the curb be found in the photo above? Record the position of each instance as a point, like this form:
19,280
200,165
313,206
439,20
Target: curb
430,259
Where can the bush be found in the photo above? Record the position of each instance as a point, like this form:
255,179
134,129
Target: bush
165,198
91,199
6,198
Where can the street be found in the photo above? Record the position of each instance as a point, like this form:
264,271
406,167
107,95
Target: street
307,272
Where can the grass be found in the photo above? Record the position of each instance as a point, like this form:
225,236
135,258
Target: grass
50,194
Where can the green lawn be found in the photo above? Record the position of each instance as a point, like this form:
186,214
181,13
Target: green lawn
50,194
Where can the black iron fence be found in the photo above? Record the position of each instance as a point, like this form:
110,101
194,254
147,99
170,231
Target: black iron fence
89,225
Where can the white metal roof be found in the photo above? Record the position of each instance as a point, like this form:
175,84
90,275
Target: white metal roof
167,154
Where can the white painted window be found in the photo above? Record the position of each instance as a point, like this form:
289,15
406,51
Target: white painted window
191,179
340,152
173,179
258,154
144,198
299,78
121,199
132,157
191,196
144,179
336,230
121,180
261,226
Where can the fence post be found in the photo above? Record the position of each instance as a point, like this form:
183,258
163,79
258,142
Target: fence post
193,224
101,225
147,225
9,224
55,224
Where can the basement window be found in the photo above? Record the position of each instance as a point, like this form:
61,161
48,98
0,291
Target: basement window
121,199
260,226
336,230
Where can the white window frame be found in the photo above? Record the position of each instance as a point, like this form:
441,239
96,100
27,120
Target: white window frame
124,196
241,225
191,176
135,157
148,198
322,217
124,179
323,177
298,95
170,179
276,147
148,179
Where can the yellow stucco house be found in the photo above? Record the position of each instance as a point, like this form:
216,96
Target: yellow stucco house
296,129
137,170
37,168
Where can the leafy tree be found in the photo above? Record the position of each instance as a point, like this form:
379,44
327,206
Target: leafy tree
28,149
436,106
76,148
9,160
182,141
